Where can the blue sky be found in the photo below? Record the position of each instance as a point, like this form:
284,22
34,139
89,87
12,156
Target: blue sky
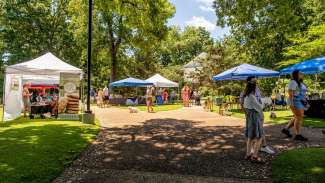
197,13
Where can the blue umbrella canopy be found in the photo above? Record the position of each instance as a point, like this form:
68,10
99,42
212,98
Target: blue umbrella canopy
312,66
242,71
131,82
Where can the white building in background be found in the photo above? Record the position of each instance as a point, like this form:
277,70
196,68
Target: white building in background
192,68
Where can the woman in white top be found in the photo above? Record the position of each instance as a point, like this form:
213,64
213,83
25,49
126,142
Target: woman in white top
298,103
254,126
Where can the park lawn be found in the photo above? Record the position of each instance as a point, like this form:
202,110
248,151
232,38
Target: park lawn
157,108
283,116
39,150
300,165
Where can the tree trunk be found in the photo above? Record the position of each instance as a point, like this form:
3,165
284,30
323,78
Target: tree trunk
114,66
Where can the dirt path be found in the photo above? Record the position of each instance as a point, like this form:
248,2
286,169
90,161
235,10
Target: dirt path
188,143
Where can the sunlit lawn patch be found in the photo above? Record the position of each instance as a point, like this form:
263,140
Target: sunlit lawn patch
300,165
39,150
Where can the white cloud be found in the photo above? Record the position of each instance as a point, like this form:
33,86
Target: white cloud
201,22
205,5
205,8
205,2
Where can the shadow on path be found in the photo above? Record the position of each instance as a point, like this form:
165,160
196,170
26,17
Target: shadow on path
183,147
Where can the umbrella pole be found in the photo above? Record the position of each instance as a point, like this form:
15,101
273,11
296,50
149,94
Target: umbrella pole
315,84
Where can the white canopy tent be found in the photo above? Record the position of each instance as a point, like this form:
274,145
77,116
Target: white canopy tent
44,69
160,81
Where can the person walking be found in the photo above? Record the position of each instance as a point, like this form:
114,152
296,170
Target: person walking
26,98
149,96
172,97
298,103
264,147
92,95
254,126
106,95
100,98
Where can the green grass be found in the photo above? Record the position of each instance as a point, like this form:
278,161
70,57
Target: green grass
39,150
299,166
283,116
157,108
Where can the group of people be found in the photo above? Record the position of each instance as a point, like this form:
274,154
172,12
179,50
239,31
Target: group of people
51,101
251,103
189,95
151,94
101,96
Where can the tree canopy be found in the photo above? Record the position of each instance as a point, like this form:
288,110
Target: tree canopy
133,38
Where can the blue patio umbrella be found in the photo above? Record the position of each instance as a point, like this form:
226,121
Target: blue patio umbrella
242,71
129,82
312,66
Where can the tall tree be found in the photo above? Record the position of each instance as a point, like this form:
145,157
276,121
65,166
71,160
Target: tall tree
181,47
123,25
305,45
262,26
30,28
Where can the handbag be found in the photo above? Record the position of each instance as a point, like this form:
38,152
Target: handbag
305,104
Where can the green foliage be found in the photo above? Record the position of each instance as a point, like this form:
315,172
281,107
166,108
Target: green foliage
261,27
125,32
31,28
39,150
305,45
181,47
300,165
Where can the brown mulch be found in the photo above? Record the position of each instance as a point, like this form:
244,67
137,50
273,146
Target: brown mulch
181,147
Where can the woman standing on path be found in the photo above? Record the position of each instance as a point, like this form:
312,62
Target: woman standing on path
186,96
100,98
149,97
165,96
297,102
254,127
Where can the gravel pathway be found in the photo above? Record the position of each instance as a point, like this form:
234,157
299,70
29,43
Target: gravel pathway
186,145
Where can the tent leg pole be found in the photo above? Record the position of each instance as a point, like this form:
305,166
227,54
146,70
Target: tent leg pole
3,98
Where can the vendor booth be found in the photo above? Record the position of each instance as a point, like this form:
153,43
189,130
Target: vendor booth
44,72
316,100
162,82
129,82
242,71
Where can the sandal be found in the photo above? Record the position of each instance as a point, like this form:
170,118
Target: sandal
257,160
248,157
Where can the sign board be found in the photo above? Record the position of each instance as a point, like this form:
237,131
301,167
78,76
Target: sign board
69,93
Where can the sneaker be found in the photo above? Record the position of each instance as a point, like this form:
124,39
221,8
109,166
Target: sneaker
267,150
300,138
286,132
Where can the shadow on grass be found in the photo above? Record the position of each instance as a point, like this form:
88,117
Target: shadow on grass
38,151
